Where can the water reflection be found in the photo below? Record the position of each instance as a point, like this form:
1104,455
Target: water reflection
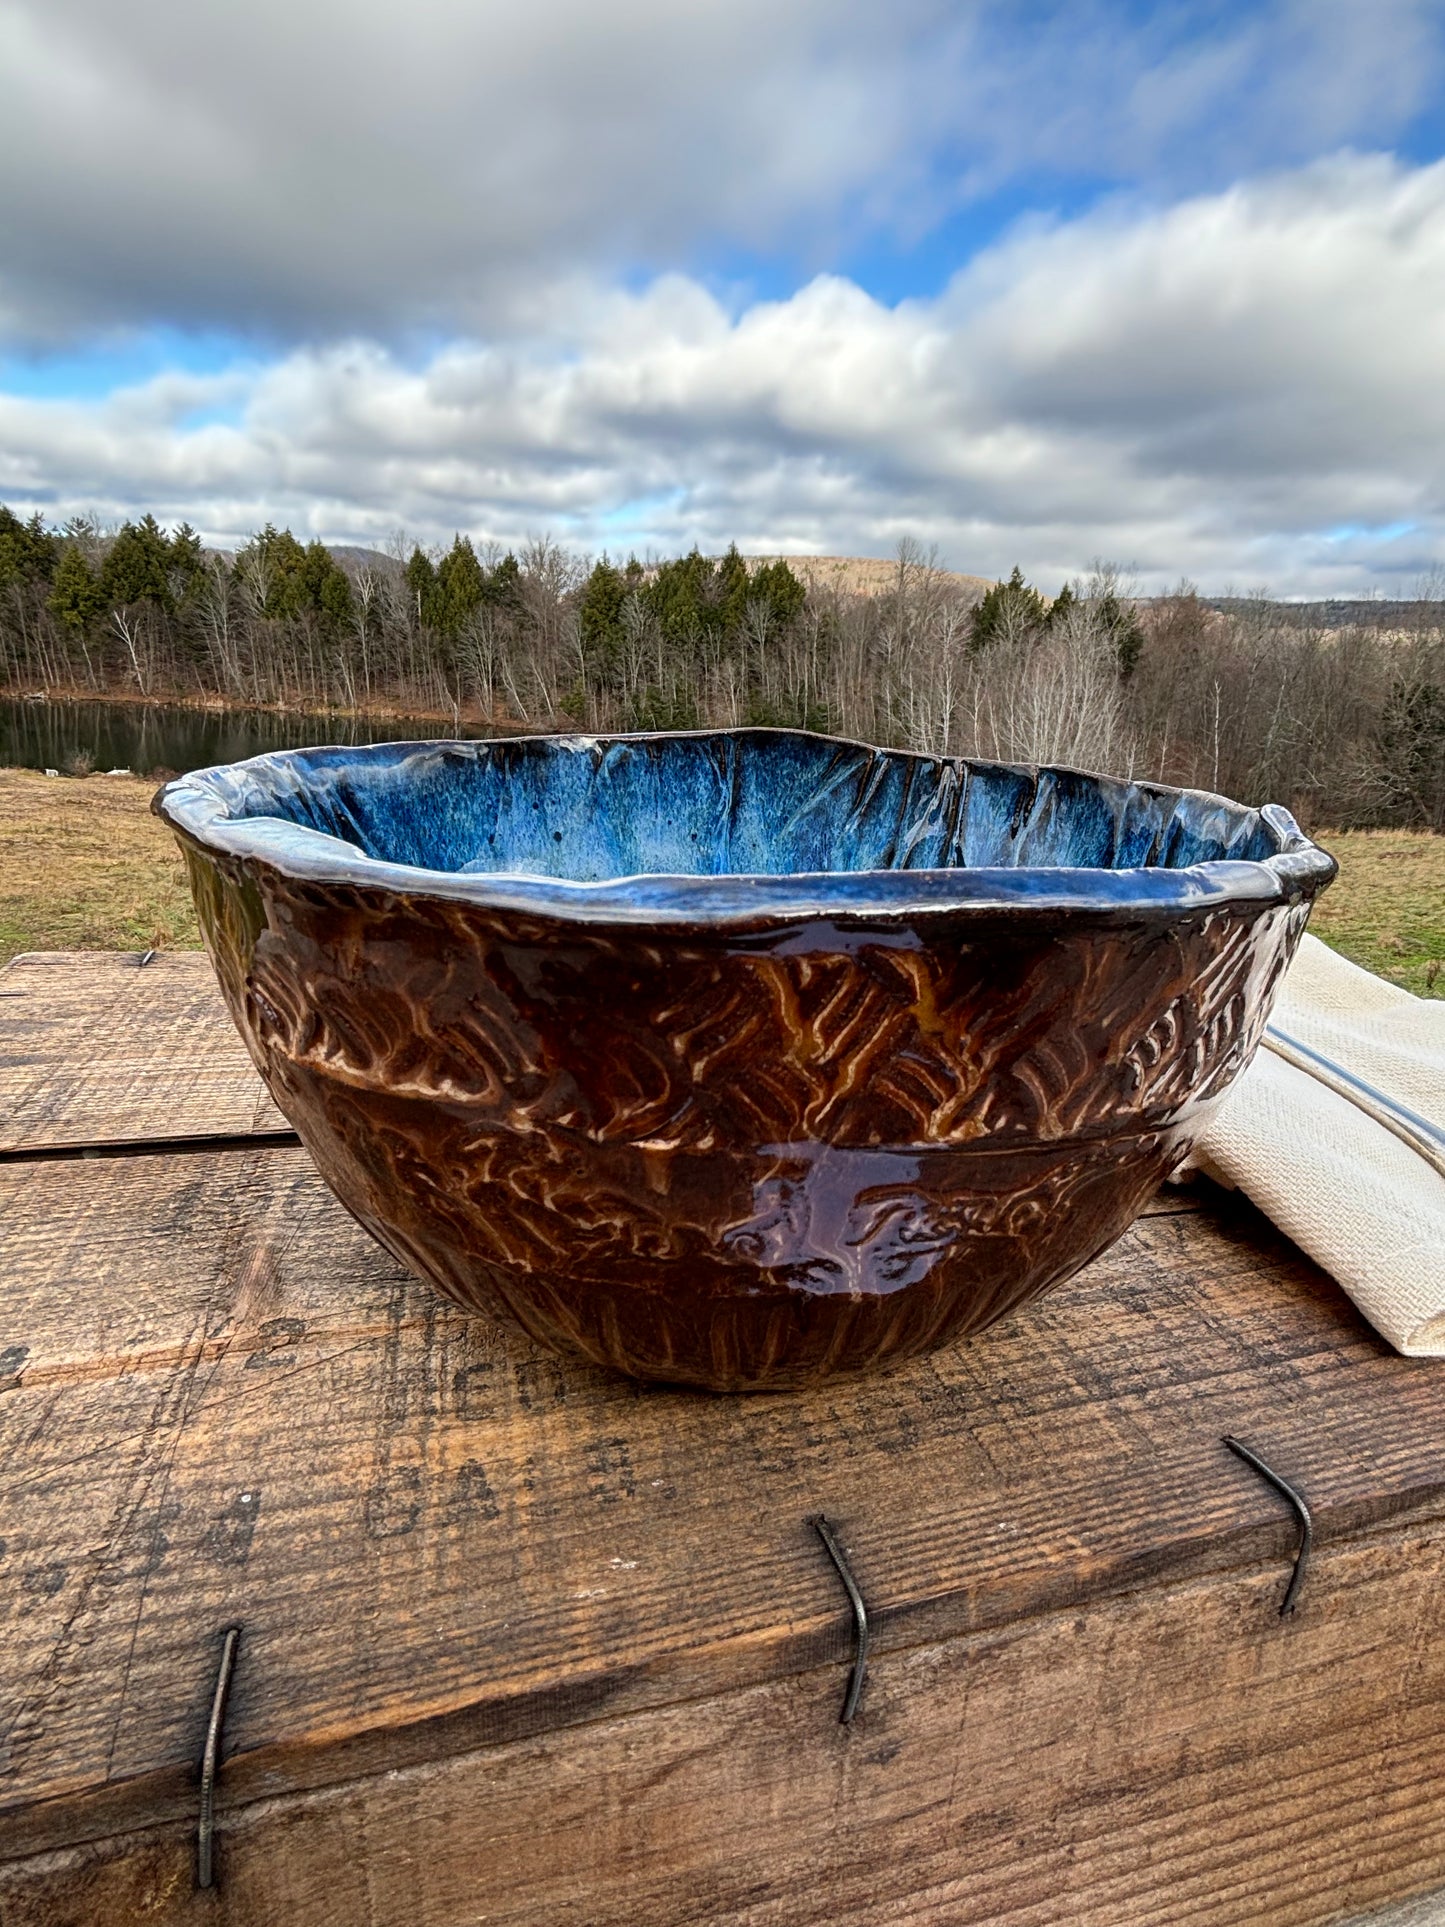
149,737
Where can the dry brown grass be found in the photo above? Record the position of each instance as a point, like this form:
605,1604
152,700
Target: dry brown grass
85,866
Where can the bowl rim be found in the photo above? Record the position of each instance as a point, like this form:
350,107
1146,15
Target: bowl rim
195,808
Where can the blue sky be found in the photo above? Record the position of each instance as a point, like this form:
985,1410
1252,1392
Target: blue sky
1157,284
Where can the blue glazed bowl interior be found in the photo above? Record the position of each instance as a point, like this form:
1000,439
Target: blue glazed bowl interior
580,813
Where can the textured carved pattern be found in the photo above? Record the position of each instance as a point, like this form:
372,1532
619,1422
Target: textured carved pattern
718,1269
989,1030
748,1160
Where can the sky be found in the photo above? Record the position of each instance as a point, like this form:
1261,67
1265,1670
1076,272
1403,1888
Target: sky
1157,285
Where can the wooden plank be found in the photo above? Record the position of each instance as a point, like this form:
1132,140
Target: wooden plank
96,1050
226,1404
1166,1759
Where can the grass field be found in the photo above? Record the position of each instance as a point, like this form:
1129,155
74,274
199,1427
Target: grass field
85,866
1386,908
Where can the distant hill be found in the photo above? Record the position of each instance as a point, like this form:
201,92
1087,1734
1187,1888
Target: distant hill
862,574
872,575
1338,613
851,574
353,560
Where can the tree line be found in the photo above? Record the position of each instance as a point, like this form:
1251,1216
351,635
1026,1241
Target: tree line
1259,701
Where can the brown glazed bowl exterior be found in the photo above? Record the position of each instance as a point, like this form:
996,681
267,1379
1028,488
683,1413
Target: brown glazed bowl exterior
738,1130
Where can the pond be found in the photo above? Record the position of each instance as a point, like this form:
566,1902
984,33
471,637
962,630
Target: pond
145,737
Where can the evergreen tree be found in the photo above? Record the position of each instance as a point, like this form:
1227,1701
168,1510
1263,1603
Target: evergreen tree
461,586
599,620
75,598
137,567
733,589
504,584
776,585
421,579
326,587
1006,608
316,565
1123,625
275,558
290,579
28,552
1061,606
187,562
335,595
680,596
297,581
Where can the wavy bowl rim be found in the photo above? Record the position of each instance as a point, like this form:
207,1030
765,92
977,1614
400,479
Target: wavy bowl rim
1298,869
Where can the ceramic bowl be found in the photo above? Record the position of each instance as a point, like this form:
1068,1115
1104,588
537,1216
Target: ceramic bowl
738,1058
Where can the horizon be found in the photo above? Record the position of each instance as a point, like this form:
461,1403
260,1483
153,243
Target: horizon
1041,284
1429,588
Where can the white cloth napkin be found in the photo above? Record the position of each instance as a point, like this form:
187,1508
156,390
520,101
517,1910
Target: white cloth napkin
1364,1205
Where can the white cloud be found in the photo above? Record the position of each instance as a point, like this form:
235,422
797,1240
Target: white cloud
1243,387
341,165
348,163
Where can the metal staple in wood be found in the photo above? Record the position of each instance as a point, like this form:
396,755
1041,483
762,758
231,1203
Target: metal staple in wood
860,1618
1301,1510
205,1864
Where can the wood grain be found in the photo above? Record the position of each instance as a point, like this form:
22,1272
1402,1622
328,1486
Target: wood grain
529,1644
1172,1758
226,1404
96,1050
